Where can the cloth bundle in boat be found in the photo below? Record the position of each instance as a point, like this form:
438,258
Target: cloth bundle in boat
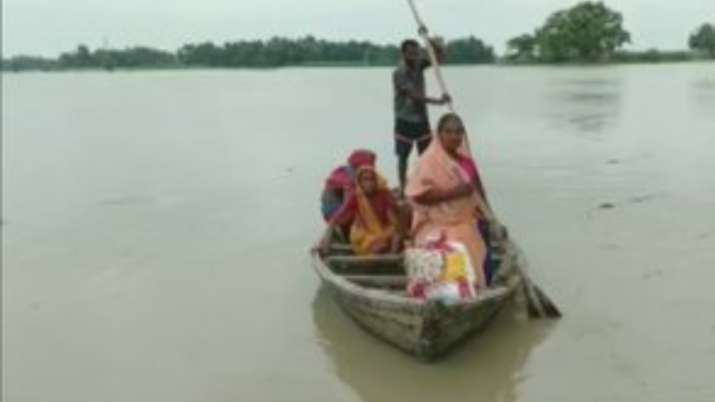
440,270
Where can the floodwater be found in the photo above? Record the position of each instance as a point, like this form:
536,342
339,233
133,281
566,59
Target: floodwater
156,226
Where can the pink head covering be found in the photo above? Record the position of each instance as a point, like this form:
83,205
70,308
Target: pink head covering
343,177
362,157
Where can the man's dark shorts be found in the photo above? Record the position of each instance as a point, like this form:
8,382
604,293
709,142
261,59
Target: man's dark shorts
407,133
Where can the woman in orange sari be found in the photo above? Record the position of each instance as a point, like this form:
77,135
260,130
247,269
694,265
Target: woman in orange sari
445,195
372,210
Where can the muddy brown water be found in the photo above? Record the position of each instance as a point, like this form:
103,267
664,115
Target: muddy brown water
155,229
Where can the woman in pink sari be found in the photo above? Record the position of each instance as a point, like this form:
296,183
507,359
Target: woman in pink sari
446,196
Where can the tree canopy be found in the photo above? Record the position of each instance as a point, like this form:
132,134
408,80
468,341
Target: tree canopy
110,58
469,50
278,52
703,39
588,32
522,47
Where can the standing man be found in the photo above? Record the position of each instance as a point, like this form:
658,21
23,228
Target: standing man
411,120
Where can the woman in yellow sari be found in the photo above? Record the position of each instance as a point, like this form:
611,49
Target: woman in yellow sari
445,197
372,209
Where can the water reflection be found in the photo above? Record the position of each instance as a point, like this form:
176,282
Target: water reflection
588,105
488,367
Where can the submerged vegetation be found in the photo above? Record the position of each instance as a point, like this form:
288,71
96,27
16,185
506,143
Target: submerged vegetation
589,32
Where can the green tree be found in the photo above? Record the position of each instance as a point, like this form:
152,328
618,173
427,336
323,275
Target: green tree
81,58
84,56
469,50
704,39
588,31
204,54
522,47
133,57
22,63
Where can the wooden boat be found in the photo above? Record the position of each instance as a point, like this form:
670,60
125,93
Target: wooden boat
372,291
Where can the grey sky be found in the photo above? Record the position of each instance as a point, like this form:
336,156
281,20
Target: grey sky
48,27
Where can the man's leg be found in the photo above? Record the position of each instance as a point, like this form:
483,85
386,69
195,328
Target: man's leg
403,150
404,137
423,144
425,137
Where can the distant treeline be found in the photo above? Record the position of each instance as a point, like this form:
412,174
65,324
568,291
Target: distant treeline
589,32
276,52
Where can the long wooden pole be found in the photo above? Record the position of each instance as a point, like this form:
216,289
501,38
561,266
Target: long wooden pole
424,33
432,54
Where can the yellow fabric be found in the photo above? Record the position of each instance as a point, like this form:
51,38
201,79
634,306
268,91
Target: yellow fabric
455,267
367,230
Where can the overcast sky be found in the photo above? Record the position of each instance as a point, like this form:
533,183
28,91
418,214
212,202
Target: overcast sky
48,27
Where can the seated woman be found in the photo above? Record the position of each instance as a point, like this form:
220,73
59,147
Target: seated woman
371,209
341,182
445,194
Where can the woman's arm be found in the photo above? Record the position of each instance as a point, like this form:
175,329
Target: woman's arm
396,219
435,196
324,245
345,214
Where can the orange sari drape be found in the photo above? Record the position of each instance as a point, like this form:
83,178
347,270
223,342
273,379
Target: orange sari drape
368,229
457,218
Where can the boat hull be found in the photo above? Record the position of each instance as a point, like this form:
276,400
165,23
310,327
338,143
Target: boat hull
424,329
